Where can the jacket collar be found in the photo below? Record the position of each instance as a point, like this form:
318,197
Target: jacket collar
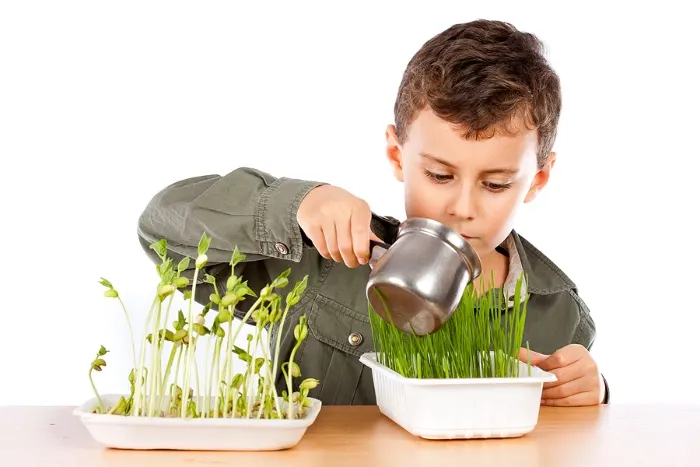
543,276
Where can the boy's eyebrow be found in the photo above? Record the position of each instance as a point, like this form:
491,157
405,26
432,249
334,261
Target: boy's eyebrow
506,171
503,171
438,160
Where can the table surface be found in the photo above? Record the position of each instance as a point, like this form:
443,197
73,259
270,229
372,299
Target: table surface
614,435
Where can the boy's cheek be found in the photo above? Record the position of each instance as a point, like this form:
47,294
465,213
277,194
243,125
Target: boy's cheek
424,201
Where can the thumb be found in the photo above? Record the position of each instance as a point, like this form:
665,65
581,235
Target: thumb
535,357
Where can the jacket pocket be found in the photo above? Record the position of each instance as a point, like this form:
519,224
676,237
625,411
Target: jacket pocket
338,336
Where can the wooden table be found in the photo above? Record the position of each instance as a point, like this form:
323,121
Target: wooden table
615,435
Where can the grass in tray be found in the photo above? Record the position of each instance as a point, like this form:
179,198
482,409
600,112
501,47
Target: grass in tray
166,381
481,339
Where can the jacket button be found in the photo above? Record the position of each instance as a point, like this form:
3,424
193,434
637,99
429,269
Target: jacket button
355,339
282,248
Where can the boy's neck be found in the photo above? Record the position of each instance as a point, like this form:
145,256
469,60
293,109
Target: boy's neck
493,266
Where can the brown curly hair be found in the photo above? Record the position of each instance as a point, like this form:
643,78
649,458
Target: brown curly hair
485,77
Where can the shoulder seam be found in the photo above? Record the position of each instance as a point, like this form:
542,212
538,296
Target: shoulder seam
532,250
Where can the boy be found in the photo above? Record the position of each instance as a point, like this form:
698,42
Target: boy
475,121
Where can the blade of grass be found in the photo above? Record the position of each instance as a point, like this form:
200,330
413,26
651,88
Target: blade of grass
480,340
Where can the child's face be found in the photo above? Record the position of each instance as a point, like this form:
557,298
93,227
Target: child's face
475,187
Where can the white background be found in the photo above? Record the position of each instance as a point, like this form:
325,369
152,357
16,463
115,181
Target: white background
104,103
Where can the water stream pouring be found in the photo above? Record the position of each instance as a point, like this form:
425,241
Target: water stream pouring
418,280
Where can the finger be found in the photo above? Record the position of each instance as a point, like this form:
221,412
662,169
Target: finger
373,236
577,400
568,373
569,388
535,357
345,242
331,238
361,233
316,236
559,359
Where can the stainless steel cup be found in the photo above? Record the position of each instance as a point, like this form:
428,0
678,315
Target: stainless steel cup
418,281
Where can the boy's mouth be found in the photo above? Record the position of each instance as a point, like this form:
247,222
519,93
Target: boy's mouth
467,237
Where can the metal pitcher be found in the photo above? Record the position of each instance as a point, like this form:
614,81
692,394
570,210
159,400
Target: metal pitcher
419,278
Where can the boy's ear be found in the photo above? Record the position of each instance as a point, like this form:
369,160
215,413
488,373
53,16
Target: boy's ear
541,178
393,152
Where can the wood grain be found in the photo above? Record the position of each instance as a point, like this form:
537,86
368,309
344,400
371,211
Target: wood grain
615,435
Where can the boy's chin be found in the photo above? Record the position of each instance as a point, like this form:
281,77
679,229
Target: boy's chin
482,248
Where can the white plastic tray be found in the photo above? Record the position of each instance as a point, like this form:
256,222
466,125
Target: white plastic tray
460,408
208,434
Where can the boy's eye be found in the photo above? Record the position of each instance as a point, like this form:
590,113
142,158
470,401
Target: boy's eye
438,178
496,187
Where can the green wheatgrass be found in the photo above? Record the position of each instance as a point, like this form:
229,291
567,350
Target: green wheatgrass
480,340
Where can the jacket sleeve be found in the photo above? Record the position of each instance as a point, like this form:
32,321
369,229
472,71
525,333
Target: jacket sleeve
585,335
247,208
585,332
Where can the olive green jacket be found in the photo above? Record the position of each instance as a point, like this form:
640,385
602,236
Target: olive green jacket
257,212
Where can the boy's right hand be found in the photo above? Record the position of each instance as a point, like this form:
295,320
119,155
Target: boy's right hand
338,224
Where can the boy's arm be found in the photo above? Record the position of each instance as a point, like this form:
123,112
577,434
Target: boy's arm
585,335
246,208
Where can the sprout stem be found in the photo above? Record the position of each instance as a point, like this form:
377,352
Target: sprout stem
154,371
176,377
131,332
164,382
269,378
97,394
250,370
190,347
139,383
168,367
290,393
215,370
226,371
196,380
207,388
277,345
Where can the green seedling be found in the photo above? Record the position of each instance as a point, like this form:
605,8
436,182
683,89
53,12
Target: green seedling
175,389
97,364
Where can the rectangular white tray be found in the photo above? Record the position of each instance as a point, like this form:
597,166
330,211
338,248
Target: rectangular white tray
460,408
209,434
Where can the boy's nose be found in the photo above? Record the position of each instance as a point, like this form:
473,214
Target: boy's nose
464,206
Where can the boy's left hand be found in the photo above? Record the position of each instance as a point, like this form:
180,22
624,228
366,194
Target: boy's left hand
578,380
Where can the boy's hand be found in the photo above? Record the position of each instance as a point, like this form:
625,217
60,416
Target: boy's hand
338,224
578,380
